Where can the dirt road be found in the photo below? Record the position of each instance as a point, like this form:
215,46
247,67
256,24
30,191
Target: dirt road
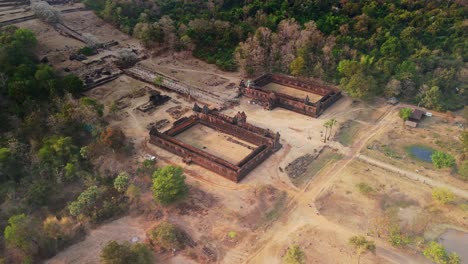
413,175
301,210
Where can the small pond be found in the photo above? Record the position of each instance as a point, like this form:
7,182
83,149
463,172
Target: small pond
455,241
420,152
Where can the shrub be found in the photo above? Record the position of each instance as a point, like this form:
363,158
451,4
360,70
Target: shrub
443,195
442,160
87,51
362,245
405,113
397,238
364,188
294,255
438,254
167,236
115,253
121,182
463,170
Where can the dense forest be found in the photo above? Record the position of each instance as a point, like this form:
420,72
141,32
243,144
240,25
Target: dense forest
412,49
49,135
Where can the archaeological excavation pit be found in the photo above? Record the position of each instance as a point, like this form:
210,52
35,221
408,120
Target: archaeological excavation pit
228,146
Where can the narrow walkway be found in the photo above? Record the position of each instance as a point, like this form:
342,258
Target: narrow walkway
414,176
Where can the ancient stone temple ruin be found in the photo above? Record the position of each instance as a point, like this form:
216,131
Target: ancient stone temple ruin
305,97
234,135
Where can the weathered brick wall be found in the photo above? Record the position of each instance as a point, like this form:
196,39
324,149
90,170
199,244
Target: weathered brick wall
267,142
188,152
329,95
254,162
179,127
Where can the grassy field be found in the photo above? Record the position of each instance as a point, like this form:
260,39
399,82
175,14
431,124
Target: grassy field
348,132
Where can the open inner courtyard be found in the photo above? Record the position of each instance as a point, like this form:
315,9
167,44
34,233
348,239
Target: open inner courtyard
291,91
217,143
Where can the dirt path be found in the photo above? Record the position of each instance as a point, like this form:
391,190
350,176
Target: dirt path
302,211
88,250
413,175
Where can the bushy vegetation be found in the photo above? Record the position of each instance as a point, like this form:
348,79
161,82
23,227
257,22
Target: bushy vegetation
362,245
168,236
48,141
438,254
414,50
405,113
364,188
294,255
443,196
442,160
124,253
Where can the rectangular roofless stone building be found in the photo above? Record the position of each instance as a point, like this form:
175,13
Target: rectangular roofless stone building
265,141
272,98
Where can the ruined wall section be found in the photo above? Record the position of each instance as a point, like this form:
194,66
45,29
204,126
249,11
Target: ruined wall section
272,99
192,154
149,76
267,142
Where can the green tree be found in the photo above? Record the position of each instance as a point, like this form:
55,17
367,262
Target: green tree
359,85
22,233
437,253
294,255
405,113
86,202
57,153
169,185
432,98
443,195
38,192
168,236
116,253
297,66
442,160
391,47
362,245
72,84
121,182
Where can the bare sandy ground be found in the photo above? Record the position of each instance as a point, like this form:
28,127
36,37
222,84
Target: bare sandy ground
88,250
266,211
216,143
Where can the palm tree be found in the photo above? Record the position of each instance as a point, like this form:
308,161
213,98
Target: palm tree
326,125
332,123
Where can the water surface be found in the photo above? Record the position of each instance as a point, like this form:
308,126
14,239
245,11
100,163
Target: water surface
421,152
456,241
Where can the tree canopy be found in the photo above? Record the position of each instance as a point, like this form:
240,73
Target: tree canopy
415,50
123,253
169,185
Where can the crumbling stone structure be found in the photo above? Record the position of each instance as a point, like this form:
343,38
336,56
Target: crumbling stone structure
272,99
266,142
